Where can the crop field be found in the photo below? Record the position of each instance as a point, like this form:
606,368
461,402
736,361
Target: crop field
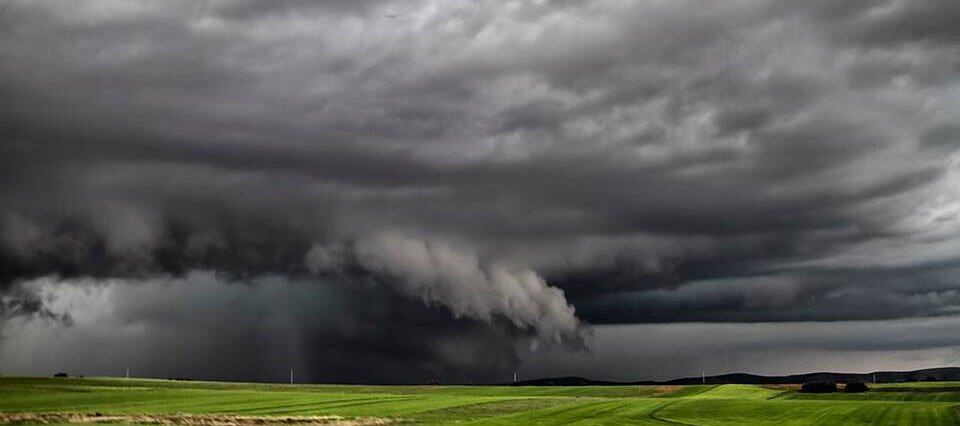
145,401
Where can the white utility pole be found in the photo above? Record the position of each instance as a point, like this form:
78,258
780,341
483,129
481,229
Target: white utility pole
703,376
874,378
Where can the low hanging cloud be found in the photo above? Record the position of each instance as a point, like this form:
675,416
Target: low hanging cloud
439,273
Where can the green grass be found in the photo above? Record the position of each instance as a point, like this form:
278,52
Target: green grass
741,392
908,404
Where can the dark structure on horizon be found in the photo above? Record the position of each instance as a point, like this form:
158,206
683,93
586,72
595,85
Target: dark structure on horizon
932,374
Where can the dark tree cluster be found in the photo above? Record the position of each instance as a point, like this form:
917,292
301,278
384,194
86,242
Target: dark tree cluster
853,387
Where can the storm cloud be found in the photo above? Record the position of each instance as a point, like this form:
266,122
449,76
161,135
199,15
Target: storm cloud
507,172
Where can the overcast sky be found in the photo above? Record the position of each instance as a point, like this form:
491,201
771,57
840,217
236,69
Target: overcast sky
451,190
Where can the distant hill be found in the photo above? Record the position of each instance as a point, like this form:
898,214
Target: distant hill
930,374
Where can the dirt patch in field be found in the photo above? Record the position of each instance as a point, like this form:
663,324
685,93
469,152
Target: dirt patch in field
667,388
790,387
187,419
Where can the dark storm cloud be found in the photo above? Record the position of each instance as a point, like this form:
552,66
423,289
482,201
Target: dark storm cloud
896,22
785,298
252,9
200,327
20,301
687,160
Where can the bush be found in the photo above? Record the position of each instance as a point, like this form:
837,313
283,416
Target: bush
855,387
60,375
818,387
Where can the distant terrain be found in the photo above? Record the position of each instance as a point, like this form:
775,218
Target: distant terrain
196,403
926,375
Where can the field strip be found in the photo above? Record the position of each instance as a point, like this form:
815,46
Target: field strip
188,419
653,415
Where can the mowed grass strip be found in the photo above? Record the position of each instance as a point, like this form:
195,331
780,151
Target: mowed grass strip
915,392
719,412
739,392
916,404
167,400
106,383
587,412
487,410
200,401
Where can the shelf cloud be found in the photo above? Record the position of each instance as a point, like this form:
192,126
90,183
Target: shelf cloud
507,172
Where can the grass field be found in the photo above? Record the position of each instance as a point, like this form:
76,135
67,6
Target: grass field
908,404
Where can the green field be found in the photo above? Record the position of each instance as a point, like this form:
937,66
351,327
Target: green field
908,404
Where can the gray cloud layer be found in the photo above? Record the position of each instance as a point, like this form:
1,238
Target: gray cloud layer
529,164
